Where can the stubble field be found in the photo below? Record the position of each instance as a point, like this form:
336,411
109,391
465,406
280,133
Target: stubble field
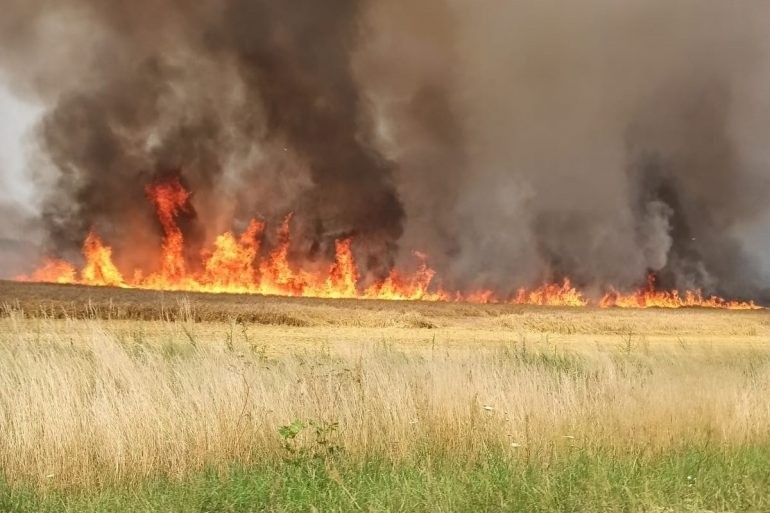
119,400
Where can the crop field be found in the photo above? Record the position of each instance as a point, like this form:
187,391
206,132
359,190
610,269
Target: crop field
120,400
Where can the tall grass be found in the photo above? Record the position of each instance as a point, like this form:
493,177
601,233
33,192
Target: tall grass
114,407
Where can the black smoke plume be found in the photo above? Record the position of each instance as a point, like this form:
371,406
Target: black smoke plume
515,143
188,91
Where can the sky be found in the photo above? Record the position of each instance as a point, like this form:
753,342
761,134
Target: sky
18,119
19,238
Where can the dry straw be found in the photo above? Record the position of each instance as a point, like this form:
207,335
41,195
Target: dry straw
95,402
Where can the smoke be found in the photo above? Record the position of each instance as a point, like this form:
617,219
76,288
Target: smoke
201,92
589,102
603,142
513,142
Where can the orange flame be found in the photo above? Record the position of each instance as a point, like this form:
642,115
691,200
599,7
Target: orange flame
649,297
343,275
413,287
237,264
99,269
230,267
551,295
169,199
52,271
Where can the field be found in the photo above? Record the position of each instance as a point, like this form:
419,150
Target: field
119,400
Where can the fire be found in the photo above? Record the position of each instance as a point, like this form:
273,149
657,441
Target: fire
413,287
343,275
238,263
231,264
552,295
99,269
53,271
650,297
169,199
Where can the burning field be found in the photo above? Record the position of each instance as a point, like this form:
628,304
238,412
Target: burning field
237,264
436,154
403,255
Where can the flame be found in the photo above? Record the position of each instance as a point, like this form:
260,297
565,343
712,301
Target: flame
411,287
169,199
230,267
343,275
52,271
99,269
239,264
649,297
551,295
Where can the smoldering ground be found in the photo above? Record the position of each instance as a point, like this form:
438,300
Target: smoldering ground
514,142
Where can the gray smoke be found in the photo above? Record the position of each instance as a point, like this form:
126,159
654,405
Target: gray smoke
202,92
514,142
600,141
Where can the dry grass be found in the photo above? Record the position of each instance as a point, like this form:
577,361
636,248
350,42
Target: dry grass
402,321
89,402
80,302
99,386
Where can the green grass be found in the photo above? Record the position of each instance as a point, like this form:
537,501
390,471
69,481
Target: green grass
692,479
